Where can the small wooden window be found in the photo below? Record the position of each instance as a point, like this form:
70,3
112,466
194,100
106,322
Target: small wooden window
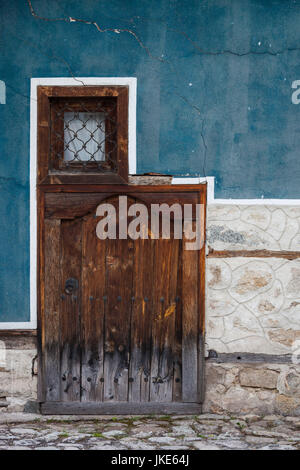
83,134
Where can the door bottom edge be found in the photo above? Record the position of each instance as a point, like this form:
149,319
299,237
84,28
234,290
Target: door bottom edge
79,408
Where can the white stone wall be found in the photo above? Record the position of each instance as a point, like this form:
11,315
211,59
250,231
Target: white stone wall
253,304
231,227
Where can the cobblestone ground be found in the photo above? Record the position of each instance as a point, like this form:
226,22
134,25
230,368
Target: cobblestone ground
204,432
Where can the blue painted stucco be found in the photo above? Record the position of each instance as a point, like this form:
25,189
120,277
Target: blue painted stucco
214,97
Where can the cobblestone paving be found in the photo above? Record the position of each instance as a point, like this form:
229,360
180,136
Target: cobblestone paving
204,432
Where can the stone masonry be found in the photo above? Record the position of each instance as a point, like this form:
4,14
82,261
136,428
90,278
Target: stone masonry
253,306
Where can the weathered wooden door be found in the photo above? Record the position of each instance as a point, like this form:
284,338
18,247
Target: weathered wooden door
120,321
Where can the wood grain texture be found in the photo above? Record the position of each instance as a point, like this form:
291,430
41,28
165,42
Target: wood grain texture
79,408
71,235
53,97
119,264
173,189
163,323
72,205
43,135
52,310
190,322
290,255
41,331
178,338
131,333
18,333
248,358
92,312
141,323
89,91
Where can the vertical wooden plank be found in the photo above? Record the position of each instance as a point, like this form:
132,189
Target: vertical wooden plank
190,322
141,323
43,124
70,310
177,381
119,263
41,295
163,329
122,132
92,316
52,314
201,299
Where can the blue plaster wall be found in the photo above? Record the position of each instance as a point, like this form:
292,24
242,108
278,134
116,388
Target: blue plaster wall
214,97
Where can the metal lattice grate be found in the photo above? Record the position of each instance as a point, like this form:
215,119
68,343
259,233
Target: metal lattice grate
83,134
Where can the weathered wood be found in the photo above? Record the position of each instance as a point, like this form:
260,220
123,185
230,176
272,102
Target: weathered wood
242,357
43,140
51,97
201,297
41,331
177,352
70,310
122,133
79,408
290,255
73,205
92,311
201,367
60,177
190,322
182,189
141,323
18,333
163,323
89,91
119,347
119,263
52,310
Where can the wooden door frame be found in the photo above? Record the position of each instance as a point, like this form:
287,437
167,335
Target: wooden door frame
108,407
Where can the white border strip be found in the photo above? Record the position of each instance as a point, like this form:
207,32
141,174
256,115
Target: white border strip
210,180
131,82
